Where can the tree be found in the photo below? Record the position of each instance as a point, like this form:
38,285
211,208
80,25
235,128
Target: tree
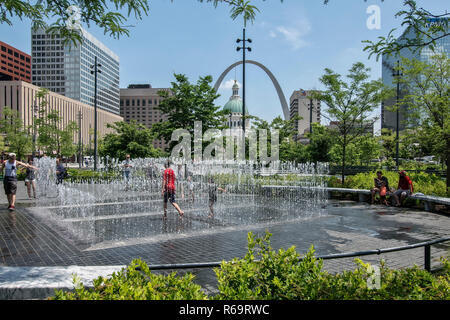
128,138
320,143
416,19
187,103
349,104
428,99
16,137
53,135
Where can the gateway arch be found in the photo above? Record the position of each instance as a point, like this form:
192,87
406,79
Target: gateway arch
280,93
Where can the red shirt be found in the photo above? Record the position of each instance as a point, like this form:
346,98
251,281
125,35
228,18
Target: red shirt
404,182
169,180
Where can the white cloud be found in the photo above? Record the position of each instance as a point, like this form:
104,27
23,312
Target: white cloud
228,85
294,34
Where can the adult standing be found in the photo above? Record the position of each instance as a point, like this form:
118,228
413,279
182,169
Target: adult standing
30,180
168,189
404,189
10,178
60,172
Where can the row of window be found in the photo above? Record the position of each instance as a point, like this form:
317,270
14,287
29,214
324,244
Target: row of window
138,102
15,53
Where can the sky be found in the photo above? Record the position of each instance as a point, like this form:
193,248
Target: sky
295,39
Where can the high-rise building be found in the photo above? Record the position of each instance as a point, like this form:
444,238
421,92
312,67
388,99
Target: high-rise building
303,105
389,62
66,69
14,64
139,102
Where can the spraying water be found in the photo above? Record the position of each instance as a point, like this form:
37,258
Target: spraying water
114,208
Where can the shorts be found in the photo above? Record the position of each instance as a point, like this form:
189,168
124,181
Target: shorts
169,196
213,199
29,180
401,191
10,186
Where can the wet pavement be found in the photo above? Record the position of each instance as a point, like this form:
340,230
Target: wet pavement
28,239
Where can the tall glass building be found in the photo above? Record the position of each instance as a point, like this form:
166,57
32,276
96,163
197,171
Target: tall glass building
66,69
389,118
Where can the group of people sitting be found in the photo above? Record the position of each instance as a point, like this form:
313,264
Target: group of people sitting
381,186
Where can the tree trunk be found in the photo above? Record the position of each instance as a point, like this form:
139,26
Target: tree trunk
343,161
448,167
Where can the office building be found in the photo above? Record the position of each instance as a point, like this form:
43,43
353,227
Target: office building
139,102
22,97
303,105
388,115
66,69
14,64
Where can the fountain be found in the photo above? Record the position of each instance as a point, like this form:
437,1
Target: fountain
115,211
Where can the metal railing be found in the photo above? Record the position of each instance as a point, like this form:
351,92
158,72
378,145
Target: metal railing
427,256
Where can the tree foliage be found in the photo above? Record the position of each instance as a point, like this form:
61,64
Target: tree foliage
184,104
15,134
349,104
128,138
417,20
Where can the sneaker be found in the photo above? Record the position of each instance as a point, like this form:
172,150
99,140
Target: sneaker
12,208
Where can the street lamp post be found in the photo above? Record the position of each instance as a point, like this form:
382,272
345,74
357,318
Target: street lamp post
397,74
80,116
244,48
35,113
95,71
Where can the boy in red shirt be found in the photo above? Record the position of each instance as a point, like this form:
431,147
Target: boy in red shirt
405,188
168,189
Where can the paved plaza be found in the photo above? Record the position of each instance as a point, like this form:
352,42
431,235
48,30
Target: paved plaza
38,256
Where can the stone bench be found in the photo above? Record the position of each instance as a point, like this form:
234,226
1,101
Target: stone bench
429,202
364,195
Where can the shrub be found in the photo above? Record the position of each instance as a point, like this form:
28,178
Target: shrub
425,183
130,284
278,275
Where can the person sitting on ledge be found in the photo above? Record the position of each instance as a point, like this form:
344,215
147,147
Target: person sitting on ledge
404,189
379,181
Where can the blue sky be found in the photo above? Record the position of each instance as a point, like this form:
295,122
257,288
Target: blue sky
296,40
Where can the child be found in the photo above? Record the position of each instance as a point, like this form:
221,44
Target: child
383,191
213,196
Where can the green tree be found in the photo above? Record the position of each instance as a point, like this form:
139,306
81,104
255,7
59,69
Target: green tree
15,134
128,138
428,99
349,104
320,143
53,134
368,148
187,103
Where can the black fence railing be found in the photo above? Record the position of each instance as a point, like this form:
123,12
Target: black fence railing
427,256
351,170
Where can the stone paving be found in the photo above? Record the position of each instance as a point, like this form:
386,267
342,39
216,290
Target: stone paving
37,257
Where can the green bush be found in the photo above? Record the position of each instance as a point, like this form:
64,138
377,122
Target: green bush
277,275
266,274
130,284
425,183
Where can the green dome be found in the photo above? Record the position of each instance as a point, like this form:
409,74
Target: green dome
235,106
235,103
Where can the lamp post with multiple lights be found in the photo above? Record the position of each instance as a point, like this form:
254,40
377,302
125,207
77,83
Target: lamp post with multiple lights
243,48
95,71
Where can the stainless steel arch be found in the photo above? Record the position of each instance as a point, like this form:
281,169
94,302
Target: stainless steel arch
280,93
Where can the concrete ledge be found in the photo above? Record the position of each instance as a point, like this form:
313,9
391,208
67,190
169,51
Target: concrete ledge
24,283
